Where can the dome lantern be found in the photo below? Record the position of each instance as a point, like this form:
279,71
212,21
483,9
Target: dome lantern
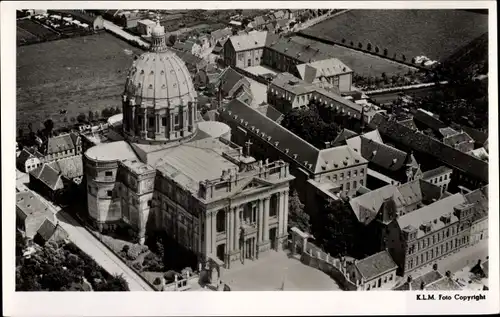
158,42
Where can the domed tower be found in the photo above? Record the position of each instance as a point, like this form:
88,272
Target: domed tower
159,102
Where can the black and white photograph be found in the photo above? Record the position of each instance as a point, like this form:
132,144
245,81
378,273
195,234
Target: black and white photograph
263,147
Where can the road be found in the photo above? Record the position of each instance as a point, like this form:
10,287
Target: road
110,26
391,96
93,247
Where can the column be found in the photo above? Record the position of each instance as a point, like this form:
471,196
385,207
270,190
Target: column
171,128
237,228
285,225
207,234
266,219
145,115
157,127
214,232
261,220
281,215
229,230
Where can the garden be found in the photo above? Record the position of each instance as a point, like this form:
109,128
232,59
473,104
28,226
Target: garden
61,267
436,34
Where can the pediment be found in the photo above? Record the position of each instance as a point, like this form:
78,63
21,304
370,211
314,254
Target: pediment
250,185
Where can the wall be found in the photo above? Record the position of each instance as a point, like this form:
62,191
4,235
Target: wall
345,82
479,231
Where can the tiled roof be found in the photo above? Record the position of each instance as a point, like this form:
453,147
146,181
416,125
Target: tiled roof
229,79
60,143
446,132
429,213
436,172
49,176
376,264
280,23
33,211
443,284
338,157
292,84
457,138
279,14
69,167
422,143
259,20
367,206
426,278
327,67
307,72
409,123
343,136
270,112
411,192
383,155
427,121
248,41
190,59
286,139
46,229
478,136
270,27
296,51
355,141
219,34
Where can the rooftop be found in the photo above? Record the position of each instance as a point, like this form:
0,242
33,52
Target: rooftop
420,142
292,84
114,151
248,41
69,167
300,52
436,172
432,213
48,175
62,142
375,265
33,211
326,68
443,284
427,278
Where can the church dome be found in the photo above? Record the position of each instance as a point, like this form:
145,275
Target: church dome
159,101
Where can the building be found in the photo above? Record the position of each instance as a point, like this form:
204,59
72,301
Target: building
440,176
220,36
375,272
231,83
468,170
144,27
423,236
287,92
335,171
245,50
172,174
387,165
93,20
50,232
430,281
31,213
61,146
327,72
479,225
29,159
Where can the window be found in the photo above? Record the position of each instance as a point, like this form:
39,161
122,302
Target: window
423,244
422,258
354,184
361,182
240,56
432,253
361,172
341,176
441,178
164,121
108,173
433,239
390,277
446,177
341,187
348,186
416,260
348,174
109,193
355,173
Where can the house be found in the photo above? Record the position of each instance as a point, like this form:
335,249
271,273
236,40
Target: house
282,25
61,146
144,27
419,283
269,27
375,272
230,83
193,62
279,14
440,176
479,225
50,231
387,165
31,213
29,159
245,50
294,13
460,141
93,20
327,72
191,46
129,19
220,36
468,170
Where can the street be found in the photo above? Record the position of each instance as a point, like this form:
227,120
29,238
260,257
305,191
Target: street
110,26
93,247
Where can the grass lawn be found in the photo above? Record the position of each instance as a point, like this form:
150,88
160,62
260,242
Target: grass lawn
361,63
77,74
433,33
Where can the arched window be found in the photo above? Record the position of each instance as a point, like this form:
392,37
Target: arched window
273,206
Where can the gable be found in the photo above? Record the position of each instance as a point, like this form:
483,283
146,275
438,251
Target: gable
250,185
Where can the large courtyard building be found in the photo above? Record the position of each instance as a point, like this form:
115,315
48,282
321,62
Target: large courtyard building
174,174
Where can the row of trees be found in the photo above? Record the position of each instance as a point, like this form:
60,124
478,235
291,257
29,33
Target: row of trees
61,268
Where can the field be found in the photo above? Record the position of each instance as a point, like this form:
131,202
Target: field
28,30
77,74
433,33
361,63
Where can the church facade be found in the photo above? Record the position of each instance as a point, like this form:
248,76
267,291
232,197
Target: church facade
190,180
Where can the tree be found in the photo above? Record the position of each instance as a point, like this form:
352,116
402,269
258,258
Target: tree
81,118
377,49
172,39
97,115
114,284
49,127
118,110
352,43
336,228
386,52
360,45
91,116
404,58
72,119
297,217
105,113
369,46
343,41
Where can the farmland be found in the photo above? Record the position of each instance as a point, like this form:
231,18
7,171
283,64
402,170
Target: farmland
436,34
77,74
28,30
361,63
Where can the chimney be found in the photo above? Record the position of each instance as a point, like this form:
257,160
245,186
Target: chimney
422,285
448,273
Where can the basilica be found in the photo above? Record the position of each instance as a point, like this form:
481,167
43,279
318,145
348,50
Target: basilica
171,172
